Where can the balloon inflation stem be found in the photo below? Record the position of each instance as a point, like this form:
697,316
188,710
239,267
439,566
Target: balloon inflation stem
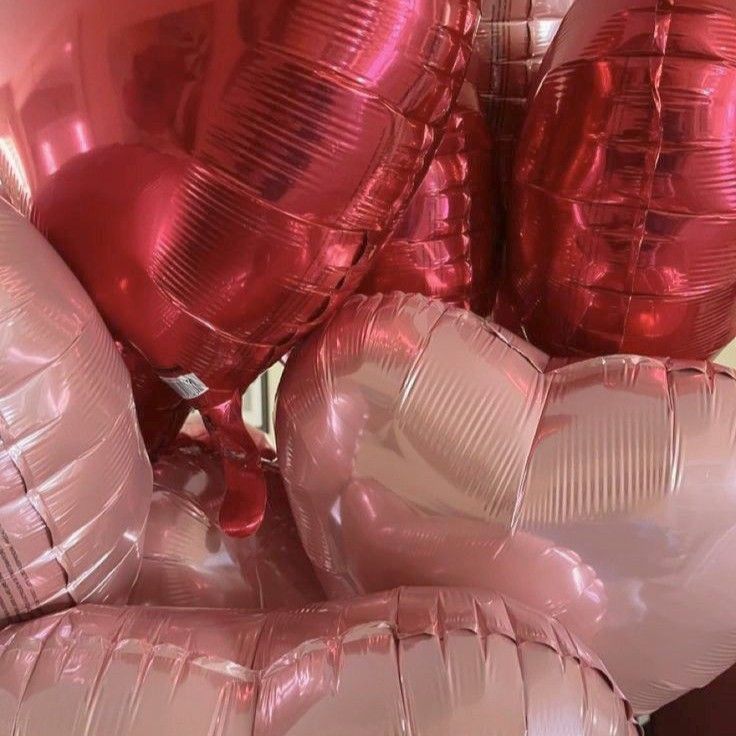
244,505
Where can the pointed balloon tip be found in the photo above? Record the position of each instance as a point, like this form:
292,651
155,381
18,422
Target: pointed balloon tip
244,506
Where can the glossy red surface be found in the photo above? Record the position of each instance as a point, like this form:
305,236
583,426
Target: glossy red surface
623,228
218,174
160,410
512,39
445,244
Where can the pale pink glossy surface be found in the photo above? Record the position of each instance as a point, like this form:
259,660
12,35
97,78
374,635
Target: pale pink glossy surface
445,244
421,661
422,445
623,232
75,483
218,174
188,561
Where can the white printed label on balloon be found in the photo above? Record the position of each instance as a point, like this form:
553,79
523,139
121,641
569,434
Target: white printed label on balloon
189,386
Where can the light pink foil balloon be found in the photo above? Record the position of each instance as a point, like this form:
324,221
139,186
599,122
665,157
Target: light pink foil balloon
512,39
75,483
188,561
422,445
444,245
414,661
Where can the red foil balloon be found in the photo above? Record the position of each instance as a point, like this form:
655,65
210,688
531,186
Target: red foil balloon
623,233
75,483
420,661
444,244
188,561
512,38
160,410
218,174
194,429
421,444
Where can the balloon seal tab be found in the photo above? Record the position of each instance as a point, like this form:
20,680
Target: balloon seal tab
189,386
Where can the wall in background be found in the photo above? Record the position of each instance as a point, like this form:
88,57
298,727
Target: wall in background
259,401
728,356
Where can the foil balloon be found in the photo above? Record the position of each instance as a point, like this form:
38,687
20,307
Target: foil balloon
602,492
623,227
444,244
194,429
75,483
160,410
422,661
512,39
188,561
218,174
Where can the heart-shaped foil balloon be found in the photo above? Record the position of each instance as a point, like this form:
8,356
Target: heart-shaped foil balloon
420,444
218,174
512,39
75,482
623,223
416,660
444,245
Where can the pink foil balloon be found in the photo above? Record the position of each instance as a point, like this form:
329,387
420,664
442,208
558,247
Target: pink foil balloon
422,445
188,561
420,661
218,174
512,38
623,232
444,245
75,483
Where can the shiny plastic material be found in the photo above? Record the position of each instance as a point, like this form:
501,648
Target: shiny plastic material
218,174
623,232
512,38
417,661
422,445
444,246
75,483
188,561
160,410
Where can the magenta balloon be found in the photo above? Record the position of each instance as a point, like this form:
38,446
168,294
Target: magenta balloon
420,661
622,234
444,246
219,173
510,44
189,561
75,483
422,445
